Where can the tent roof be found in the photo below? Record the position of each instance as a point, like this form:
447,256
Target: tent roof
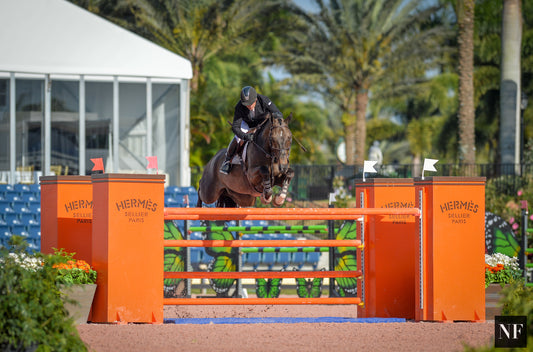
57,37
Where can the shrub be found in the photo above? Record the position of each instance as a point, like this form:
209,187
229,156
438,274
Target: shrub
31,308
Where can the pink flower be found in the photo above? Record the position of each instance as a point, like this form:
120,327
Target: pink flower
519,193
511,220
515,226
531,217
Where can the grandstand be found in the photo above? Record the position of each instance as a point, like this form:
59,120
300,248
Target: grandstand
20,210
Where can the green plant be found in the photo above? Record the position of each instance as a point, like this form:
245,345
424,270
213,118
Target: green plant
501,269
33,316
71,271
503,197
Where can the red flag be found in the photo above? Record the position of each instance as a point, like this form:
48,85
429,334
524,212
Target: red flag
152,162
98,164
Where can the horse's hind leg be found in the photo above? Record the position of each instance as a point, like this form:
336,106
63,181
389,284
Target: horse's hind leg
279,199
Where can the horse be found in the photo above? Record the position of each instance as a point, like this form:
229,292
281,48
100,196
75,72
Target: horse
265,164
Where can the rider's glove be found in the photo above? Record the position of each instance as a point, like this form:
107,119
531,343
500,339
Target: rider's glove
250,137
277,115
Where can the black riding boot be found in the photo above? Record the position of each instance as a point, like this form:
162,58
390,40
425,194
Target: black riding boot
232,148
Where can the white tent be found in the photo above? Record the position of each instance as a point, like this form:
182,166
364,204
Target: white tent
57,37
135,91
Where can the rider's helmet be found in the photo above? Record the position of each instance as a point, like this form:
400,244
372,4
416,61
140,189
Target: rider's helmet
248,96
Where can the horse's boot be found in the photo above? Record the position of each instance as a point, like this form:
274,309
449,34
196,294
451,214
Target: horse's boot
226,165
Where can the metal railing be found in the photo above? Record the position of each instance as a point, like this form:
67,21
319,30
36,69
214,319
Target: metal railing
315,182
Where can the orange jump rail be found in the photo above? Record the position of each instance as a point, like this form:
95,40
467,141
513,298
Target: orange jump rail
260,301
262,243
281,213
260,274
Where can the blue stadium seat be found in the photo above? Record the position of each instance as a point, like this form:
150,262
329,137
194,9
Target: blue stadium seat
171,202
298,259
19,229
196,255
21,188
283,258
34,222
313,258
35,188
253,259
196,236
34,231
11,196
35,208
34,247
26,217
5,188
269,259
10,216
5,204
20,207
29,198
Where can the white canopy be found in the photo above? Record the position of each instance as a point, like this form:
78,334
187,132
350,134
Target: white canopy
57,37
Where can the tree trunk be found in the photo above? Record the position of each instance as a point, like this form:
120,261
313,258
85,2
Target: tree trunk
467,146
361,102
510,82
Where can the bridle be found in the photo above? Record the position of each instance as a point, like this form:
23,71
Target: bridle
270,141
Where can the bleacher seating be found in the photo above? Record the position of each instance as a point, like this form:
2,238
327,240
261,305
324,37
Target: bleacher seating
20,213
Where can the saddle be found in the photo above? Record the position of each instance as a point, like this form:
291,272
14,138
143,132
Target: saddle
240,154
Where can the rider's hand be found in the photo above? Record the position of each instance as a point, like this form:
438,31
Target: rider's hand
277,115
250,137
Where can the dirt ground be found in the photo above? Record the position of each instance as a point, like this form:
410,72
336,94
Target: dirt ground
408,336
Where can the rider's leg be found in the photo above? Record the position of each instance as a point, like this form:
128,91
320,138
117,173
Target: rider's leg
230,152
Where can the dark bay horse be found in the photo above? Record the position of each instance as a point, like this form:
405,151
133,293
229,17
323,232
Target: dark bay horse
266,164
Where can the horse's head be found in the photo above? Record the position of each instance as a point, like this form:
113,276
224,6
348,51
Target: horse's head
280,142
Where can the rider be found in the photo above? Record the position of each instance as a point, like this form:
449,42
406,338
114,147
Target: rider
250,111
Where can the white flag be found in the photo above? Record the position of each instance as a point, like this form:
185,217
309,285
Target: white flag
369,166
429,165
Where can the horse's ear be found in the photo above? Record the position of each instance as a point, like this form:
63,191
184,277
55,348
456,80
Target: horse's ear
288,119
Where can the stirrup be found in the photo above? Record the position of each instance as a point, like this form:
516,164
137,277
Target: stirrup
225,168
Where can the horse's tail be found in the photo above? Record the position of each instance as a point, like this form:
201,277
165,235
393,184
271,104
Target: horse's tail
199,202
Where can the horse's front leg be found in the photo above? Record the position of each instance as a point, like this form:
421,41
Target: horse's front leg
266,196
279,199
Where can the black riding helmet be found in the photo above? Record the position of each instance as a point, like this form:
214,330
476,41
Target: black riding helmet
248,96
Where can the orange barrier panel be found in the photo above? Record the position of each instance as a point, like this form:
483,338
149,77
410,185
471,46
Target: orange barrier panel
279,213
387,287
262,243
66,215
260,301
258,274
128,247
450,281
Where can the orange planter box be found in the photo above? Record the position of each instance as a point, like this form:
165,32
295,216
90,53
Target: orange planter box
390,249
66,215
450,281
128,248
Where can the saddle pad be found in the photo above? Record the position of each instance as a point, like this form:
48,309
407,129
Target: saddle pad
237,158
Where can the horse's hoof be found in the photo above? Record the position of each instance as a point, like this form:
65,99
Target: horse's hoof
278,201
266,200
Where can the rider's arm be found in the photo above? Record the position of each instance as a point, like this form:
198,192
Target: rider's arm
236,125
270,106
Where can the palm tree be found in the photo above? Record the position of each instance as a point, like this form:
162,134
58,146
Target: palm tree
348,47
201,29
465,20
510,82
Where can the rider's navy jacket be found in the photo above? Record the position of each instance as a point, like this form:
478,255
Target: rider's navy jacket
242,113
